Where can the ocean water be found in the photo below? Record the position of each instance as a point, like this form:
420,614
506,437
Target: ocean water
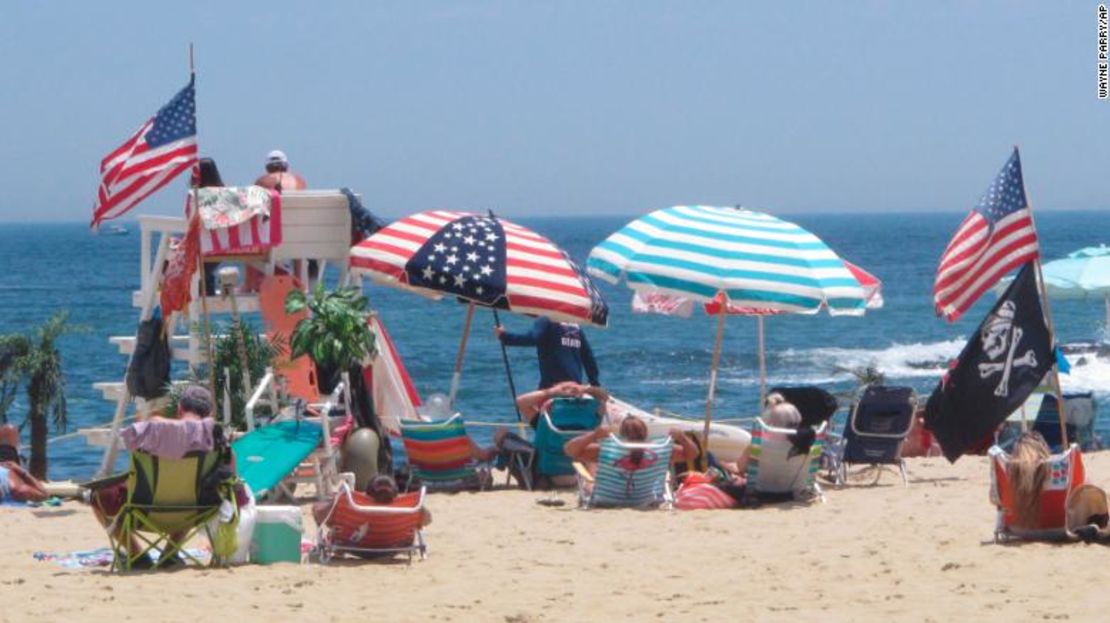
647,359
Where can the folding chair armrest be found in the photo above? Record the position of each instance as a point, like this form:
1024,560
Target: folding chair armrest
582,471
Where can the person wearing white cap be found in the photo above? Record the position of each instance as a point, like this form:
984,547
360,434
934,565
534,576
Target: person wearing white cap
278,176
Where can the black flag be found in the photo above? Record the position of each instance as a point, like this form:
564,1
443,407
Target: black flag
1001,365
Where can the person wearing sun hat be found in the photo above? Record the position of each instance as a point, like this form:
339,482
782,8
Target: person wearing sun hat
278,176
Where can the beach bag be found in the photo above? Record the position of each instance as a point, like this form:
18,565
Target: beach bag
148,375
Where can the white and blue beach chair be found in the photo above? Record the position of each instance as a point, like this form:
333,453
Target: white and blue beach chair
622,481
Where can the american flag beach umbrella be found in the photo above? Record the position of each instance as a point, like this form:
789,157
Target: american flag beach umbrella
728,256
482,260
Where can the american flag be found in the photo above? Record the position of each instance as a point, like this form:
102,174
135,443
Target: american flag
482,259
164,147
995,238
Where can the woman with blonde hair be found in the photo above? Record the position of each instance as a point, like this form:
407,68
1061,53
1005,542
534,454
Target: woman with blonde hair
1027,471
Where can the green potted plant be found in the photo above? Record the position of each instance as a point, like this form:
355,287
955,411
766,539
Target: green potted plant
336,334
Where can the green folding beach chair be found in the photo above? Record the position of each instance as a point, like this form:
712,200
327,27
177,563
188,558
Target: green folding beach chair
166,506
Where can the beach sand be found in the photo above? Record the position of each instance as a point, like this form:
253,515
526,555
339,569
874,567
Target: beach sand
889,552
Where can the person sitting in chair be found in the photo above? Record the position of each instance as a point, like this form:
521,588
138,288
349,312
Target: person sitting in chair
533,403
192,430
586,447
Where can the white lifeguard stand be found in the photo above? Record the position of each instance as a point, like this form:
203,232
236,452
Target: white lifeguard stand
315,225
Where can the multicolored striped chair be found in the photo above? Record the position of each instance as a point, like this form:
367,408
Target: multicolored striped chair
439,455
623,482
776,468
357,524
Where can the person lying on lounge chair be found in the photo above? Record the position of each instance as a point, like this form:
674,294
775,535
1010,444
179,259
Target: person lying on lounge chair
17,485
535,402
9,444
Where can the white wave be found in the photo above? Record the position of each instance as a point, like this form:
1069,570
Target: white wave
1094,376
897,361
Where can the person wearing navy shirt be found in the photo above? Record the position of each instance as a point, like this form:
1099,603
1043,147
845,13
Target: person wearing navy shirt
562,350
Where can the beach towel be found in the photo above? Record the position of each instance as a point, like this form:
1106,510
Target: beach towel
699,493
238,220
171,439
99,557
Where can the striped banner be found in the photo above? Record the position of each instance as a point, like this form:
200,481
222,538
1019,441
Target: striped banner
756,260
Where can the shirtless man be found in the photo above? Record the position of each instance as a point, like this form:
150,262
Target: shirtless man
278,176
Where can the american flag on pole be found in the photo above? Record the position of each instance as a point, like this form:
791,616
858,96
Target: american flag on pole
160,150
995,238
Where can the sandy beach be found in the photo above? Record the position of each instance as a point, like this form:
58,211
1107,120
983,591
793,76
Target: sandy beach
917,553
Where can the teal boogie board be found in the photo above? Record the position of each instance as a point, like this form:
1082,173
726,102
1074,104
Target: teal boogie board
267,455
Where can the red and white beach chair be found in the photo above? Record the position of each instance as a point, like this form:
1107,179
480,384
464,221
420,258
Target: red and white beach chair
359,525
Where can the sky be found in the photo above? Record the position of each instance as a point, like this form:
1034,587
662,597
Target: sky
578,108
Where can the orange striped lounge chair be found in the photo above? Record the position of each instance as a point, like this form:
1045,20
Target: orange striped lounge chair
357,524
1066,474
439,455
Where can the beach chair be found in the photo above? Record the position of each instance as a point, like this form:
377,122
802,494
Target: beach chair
564,420
1066,474
776,468
622,483
1080,420
359,525
439,456
164,497
875,431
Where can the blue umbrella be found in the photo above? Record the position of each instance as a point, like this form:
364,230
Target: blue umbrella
1083,274
730,255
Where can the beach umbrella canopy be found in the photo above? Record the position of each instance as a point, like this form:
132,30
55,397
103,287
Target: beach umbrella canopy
1083,274
482,260
732,257
751,258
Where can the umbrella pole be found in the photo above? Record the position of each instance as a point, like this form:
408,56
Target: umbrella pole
457,376
508,369
762,362
1061,407
713,379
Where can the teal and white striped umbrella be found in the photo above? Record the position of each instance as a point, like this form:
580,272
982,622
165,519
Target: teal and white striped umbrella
728,255
749,258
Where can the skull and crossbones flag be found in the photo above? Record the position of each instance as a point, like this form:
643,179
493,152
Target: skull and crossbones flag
1002,363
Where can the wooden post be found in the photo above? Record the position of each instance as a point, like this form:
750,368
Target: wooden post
1060,406
713,375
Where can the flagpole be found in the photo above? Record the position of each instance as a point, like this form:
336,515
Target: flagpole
1061,407
203,286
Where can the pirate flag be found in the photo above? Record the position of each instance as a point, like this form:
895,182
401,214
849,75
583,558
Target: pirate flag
1000,366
